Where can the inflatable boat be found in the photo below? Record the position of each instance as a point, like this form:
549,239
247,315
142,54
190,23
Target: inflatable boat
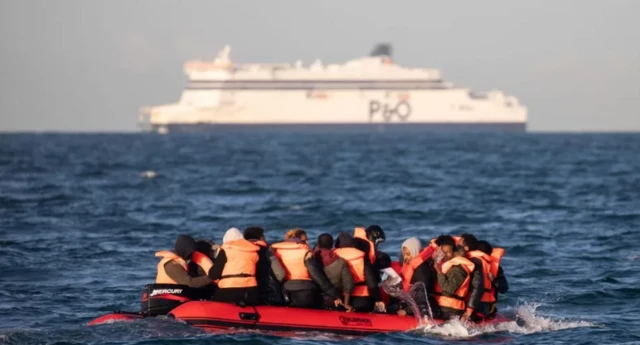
216,316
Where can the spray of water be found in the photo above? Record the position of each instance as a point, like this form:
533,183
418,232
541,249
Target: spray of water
415,298
525,322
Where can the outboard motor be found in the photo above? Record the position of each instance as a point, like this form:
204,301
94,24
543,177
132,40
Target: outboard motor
160,299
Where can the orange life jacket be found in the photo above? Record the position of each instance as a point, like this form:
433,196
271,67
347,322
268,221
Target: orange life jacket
355,260
240,269
203,261
167,255
457,301
408,270
488,291
496,255
361,233
291,256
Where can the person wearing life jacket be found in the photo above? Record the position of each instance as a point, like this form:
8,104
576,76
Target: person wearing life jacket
418,269
304,279
201,264
270,273
453,279
337,271
480,283
173,267
499,282
235,271
366,293
367,240
202,258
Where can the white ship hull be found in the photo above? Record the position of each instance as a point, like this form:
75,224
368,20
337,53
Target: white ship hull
220,97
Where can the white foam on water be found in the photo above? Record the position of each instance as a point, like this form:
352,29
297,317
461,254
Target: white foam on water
526,322
148,174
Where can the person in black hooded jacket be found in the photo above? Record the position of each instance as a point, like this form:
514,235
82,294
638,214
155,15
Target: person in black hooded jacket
269,270
475,308
184,248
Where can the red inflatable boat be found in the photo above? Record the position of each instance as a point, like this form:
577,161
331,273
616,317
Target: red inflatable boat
214,316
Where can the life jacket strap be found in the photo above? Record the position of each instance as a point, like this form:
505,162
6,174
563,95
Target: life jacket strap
454,296
239,275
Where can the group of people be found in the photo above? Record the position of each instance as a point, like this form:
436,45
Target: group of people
462,276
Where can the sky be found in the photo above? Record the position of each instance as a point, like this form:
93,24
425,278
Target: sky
77,65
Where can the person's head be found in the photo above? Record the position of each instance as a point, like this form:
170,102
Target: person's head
447,245
297,233
485,247
231,235
345,240
185,246
325,241
205,247
254,233
469,242
411,247
375,234
459,252
383,260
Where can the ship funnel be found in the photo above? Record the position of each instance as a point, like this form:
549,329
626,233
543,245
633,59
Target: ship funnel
382,49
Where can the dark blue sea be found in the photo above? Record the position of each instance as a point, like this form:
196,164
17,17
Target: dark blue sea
81,216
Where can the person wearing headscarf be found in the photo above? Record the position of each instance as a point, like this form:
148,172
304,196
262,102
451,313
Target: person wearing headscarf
231,235
235,270
416,269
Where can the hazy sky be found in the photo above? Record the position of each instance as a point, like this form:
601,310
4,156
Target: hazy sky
89,65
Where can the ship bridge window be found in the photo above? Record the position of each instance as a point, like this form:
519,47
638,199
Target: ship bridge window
477,95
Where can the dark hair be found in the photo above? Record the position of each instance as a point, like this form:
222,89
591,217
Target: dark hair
485,247
446,240
253,233
325,241
383,259
185,246
375,234
204,246
362,245
470,241
345,240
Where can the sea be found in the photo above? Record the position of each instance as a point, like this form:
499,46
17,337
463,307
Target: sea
81,216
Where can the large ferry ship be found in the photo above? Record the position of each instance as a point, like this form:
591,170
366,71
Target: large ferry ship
370,91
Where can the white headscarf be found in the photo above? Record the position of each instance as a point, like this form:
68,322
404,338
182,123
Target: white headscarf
231,235
413,244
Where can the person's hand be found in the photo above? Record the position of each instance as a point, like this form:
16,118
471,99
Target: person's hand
467,314
436,266
438,256
380,307
491,277
349,308
402,312
337,302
